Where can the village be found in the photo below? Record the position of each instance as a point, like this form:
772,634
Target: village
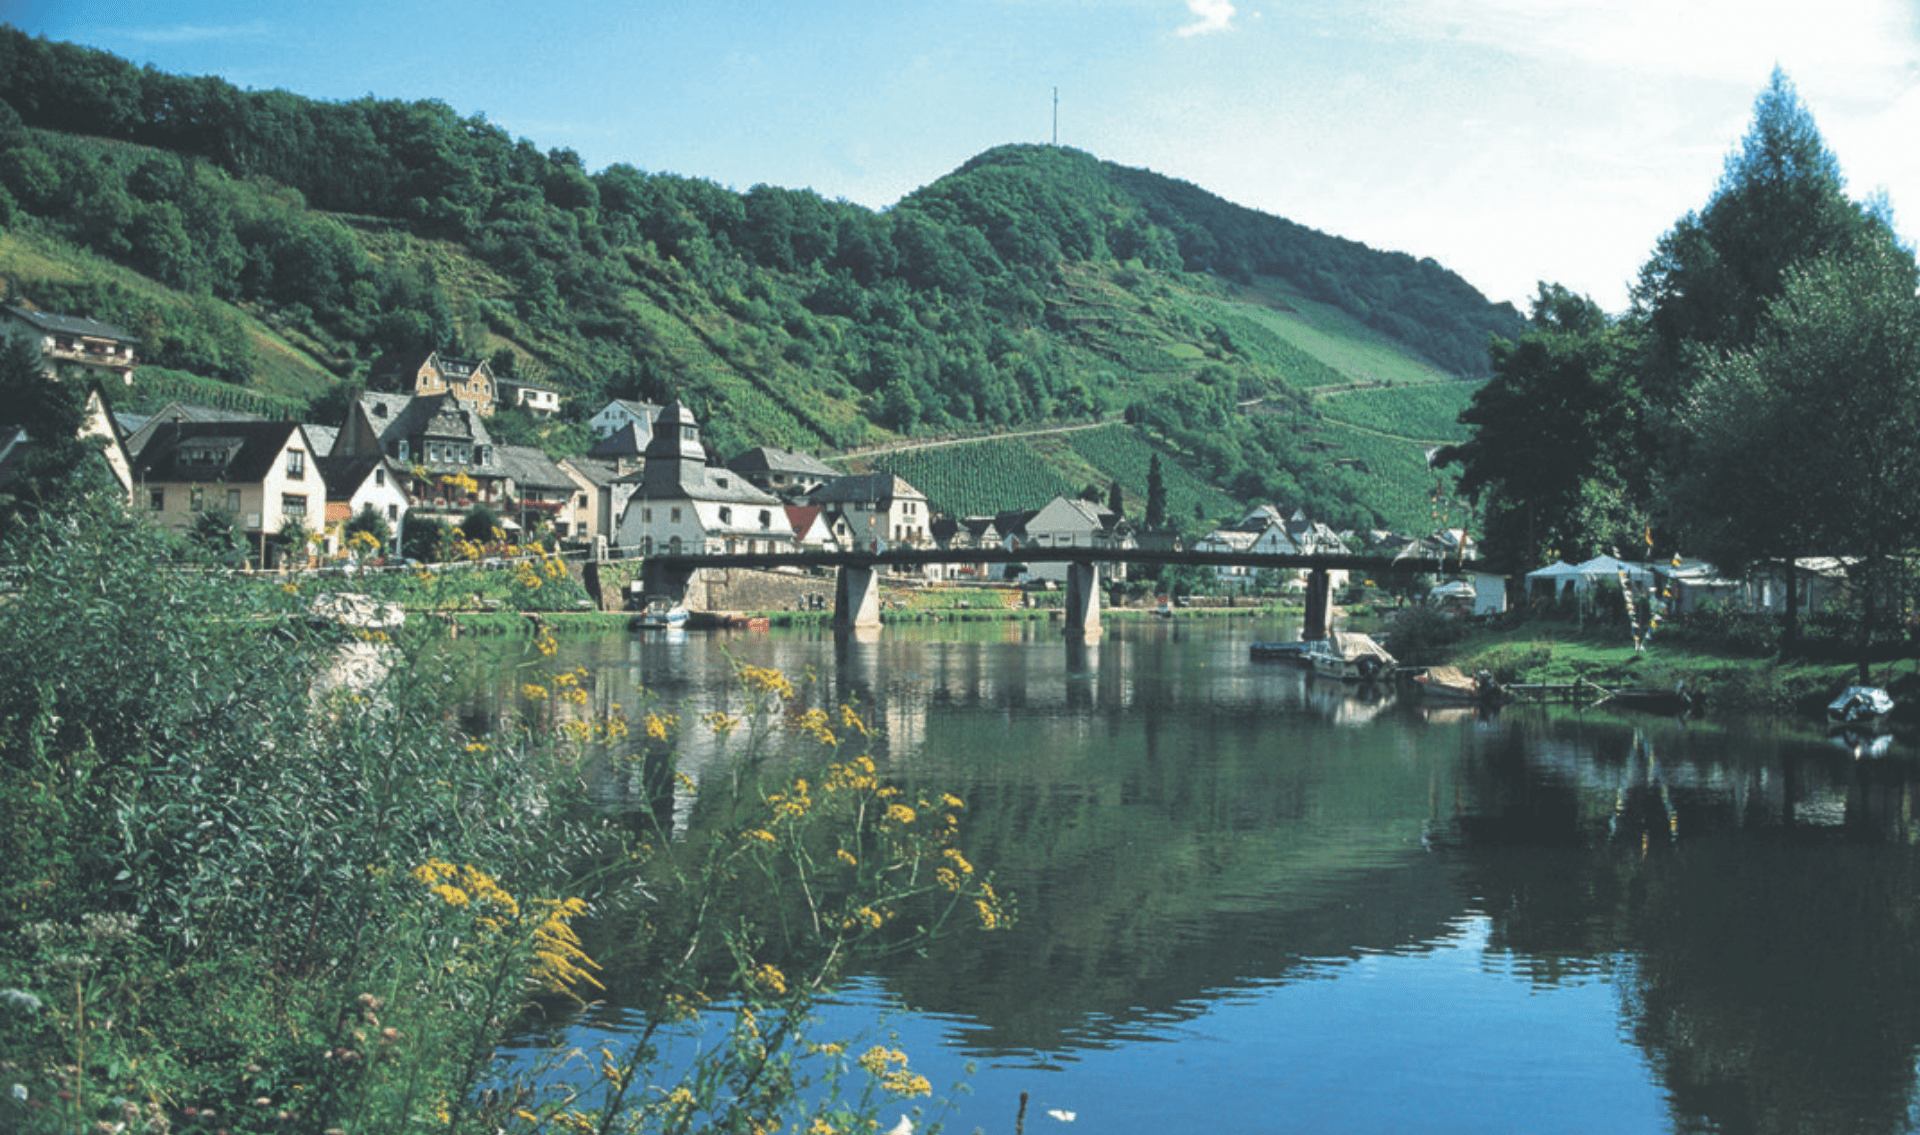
414,448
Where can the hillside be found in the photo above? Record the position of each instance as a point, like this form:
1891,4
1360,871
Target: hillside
275,245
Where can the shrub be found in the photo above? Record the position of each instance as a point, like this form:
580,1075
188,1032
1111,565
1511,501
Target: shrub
258,879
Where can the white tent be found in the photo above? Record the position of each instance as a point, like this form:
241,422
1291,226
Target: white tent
1559,575
1563,575
1606,567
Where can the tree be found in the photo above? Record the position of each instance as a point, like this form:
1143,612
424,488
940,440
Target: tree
1156,517
1556,459
1809,441
1116,503
56,466
1781,201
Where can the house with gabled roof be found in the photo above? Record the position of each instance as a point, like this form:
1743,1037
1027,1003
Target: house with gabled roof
625,412
182,412
263,474
426,374
964,534
544,492
1069,522
811,532
681,504
437,439
783,472
357,481
102,350
539,401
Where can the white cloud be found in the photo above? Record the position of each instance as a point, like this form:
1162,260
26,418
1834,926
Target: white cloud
1209,16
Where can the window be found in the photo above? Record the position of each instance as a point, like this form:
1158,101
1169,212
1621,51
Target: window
726,515
294,505
157,499
380,475
766,519
393,512
646,516
197,499
233,501
296,464
674,518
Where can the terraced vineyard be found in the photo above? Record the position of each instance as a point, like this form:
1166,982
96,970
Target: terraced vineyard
1427,412
1121,454
978,478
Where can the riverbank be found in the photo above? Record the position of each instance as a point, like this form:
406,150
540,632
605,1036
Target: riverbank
1545,653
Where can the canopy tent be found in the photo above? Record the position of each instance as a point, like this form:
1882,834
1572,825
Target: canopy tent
1562,575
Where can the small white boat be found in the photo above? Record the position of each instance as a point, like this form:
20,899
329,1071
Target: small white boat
660,615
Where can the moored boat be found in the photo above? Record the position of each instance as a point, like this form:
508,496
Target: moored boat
1350,657
1451,684
660,615
1861,707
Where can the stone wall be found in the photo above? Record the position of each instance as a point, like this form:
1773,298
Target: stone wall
750,589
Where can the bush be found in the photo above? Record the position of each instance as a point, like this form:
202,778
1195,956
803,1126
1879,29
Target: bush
258,879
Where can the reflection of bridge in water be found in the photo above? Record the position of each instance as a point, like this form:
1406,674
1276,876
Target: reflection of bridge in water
857,589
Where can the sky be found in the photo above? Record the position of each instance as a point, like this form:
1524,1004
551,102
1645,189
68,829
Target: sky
1513,141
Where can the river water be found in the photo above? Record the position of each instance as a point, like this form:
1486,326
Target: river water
1253,901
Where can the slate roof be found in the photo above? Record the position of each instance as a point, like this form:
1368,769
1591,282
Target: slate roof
181,412
54,324
864,487
767,459
531,468
344,475
246,452
599,473
435,417
627,441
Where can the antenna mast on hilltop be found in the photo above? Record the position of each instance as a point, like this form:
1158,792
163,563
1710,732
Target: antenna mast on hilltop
1056,116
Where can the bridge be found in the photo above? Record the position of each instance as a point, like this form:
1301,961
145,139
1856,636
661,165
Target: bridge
857,588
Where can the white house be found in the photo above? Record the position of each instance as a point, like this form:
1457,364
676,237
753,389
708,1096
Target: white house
683,505
622,412
101,349
1068,522
360,481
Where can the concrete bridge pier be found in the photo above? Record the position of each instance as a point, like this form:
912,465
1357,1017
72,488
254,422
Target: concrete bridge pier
1083,599
1318,621
856,598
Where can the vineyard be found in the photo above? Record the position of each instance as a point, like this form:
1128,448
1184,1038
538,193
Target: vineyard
1121,454
979,478
1427,412
1404,487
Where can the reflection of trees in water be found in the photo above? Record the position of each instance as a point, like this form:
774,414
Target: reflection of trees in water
1171,858
1758,911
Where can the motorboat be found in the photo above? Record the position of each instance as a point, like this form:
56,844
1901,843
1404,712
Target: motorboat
1350,657
660,615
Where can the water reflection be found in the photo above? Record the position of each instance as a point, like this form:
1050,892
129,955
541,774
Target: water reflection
1725,911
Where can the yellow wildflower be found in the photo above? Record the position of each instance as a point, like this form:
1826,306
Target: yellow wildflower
769,978
533,692
846,857
720,723
761,834
900,814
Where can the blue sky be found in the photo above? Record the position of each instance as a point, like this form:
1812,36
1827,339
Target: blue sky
1511,140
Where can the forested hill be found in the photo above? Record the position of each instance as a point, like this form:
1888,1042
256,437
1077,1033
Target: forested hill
1042,203
277,244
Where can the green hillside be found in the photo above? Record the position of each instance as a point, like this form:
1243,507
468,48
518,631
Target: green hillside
277,245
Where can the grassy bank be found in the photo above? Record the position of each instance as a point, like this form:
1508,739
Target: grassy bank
1716,673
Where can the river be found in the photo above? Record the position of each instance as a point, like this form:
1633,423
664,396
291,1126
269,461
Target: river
1252,901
